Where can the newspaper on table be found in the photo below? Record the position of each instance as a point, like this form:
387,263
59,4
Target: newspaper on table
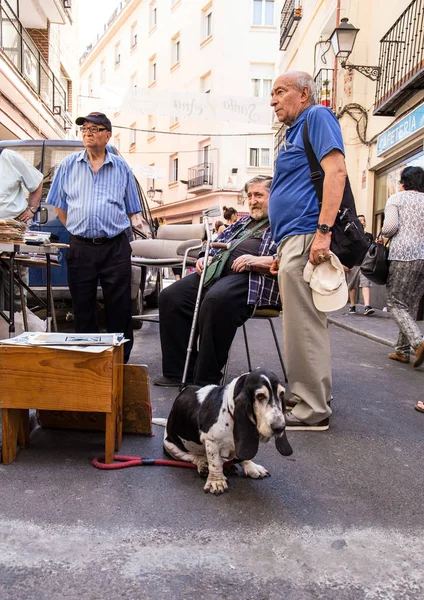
12,230
79,342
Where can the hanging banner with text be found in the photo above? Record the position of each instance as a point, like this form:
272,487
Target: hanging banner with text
184,105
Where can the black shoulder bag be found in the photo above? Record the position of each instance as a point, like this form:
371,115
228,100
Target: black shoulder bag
375,265
348,239
219,260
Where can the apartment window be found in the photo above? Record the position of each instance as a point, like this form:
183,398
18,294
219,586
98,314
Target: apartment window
176,50
133,136
204,153
261,88
117,54
133,35
152,70
153,15
117,142
173,168
102,71
261,77
259,157
207,23
205,83
263,12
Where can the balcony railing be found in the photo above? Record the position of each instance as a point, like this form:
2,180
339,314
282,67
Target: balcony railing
200,177
20,49
290,16
401,61
325,87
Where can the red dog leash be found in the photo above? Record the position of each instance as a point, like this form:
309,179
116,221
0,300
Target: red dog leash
123,462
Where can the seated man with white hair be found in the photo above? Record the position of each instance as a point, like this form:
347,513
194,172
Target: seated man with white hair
244,283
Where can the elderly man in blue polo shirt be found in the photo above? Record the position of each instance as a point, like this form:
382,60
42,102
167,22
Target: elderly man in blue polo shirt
303,231
94,195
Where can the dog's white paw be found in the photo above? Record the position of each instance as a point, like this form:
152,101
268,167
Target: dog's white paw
216,486
251,469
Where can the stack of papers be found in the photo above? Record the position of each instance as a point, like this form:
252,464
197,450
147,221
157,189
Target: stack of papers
79,342
37,237
12,230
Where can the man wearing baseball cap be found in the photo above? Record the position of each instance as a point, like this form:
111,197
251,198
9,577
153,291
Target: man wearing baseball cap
94,195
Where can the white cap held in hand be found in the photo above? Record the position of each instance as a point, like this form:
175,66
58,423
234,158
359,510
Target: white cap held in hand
328,283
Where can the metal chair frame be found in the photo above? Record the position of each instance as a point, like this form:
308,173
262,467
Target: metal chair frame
257,315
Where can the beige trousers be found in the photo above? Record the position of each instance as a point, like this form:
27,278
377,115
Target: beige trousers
306,337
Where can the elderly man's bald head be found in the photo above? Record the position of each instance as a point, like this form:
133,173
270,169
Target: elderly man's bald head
291,94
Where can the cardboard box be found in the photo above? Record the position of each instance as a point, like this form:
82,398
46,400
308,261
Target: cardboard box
137,417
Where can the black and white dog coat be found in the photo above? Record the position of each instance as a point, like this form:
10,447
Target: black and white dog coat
210,425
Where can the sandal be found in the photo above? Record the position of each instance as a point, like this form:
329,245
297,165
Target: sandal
420,406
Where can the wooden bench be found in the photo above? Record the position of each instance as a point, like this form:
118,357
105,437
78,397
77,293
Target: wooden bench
56,379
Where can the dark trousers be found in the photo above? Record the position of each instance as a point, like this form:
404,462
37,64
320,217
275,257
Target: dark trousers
222,310
109,263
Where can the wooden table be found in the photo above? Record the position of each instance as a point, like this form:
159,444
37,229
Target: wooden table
50,379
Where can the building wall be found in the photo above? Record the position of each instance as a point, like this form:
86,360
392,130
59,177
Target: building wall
26,102
221,61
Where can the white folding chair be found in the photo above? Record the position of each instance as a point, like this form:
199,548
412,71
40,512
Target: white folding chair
175,246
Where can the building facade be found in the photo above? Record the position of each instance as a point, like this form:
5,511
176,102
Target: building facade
200,73
38,69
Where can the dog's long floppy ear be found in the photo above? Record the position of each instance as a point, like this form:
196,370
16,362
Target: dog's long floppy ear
246,436
283,446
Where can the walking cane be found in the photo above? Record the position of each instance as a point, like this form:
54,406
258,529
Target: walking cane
215,211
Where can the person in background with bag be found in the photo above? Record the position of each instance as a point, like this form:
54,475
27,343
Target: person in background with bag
356,280
404,225
303,232
234,285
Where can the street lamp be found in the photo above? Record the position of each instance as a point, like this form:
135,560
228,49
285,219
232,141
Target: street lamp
151,193
342,40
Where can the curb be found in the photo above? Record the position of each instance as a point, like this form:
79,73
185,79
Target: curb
370,336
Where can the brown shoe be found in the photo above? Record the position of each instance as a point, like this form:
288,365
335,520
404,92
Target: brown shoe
403,358
419,356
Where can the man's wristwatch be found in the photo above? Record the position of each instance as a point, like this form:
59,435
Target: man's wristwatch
324,228
33,209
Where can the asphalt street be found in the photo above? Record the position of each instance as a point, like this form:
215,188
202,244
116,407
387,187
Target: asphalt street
341,519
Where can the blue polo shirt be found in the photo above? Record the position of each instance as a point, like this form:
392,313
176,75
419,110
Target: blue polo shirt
293,203
97,204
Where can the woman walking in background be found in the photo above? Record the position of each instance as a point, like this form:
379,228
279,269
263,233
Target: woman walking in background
230,215
404,224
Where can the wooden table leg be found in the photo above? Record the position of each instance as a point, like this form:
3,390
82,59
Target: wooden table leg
23,433
14,430
110,435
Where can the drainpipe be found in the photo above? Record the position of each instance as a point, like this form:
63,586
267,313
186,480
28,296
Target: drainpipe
335,59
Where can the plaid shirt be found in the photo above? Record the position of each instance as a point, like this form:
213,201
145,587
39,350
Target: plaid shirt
263,289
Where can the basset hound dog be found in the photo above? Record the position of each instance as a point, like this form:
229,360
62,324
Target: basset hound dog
211,425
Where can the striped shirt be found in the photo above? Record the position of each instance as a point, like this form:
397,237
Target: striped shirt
263,289
97,205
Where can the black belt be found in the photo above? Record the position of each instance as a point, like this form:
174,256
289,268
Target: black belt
97,240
